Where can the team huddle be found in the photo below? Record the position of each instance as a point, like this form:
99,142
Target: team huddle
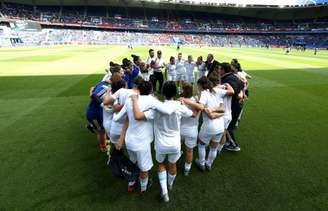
124,109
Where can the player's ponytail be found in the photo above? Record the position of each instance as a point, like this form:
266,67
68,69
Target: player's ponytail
135,58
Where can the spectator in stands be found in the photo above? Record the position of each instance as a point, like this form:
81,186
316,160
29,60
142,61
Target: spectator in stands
210,63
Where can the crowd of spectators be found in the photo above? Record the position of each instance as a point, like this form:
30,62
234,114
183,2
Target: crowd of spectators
73,36
131,19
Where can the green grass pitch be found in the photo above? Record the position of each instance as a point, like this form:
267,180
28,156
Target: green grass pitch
49,161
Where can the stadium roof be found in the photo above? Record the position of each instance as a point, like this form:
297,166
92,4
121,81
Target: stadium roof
275,11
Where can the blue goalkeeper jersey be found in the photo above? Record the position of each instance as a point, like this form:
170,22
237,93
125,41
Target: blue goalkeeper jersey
94,110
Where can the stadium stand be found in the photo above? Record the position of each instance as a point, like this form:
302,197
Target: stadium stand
93,24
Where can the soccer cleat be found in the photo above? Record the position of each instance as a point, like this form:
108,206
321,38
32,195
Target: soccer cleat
199,166
231,147
103,148
131,187
208,167
165,197
150,183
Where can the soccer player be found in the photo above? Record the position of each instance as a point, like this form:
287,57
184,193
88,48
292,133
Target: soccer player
189,128
108,110
136,62
118,90
201,67
227,96
139,133
130,72
180,70
241,74
94,113
117,99
213,123
190,67
167,137
171,70
113,68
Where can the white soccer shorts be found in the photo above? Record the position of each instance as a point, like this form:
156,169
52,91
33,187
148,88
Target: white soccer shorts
207,138
190,142
171,77
142,158
172,157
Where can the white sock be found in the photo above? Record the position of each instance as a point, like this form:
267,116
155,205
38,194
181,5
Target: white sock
163,181
187,166
170,179
143,183
211,156
201,153
220,148
132,183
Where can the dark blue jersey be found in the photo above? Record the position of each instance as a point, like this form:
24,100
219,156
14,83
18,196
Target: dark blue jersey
94,110
99,91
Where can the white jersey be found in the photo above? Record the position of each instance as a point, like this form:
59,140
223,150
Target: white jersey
171,69
167,128
201,67
140,133
213,101
201,70
226,102
189,125
148,62
120,97
159,63
107,118
180,67
190,67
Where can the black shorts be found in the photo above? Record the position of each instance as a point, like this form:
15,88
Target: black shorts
97,123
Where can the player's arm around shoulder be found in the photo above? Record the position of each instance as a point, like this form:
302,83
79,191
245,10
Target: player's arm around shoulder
229,89
138,114
184,110
161,107
122,113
